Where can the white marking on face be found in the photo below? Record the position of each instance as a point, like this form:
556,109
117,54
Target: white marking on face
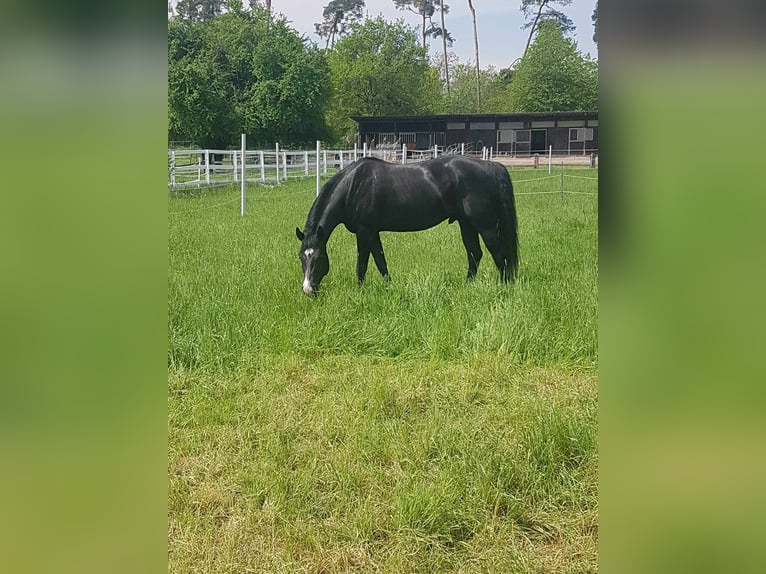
307,286
308,252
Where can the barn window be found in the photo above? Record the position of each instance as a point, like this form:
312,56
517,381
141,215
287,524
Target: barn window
521,136
505,136
482,125
455,125
580,134
406,137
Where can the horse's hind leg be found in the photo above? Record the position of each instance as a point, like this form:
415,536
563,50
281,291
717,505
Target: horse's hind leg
472,247
495,246
379,256
362,256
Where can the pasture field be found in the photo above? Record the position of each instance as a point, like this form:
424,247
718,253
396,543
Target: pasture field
421,425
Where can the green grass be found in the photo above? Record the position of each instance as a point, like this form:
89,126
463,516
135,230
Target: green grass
421,425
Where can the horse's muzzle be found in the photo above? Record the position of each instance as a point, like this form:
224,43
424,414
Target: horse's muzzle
309,289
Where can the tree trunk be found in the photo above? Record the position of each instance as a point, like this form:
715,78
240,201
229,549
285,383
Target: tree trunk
534,26
476,52
444,44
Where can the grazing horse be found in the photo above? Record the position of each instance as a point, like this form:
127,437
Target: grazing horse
371,195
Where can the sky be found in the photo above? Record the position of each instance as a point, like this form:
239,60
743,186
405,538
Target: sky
501,39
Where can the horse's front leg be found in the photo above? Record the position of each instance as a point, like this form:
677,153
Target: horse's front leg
379,256
362,256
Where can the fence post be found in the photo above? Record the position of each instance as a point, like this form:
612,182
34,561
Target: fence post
173,168
324,162
244,144
284,164
234,165
341,159
277,160
537,160
306,162
355,158
263,166
404,153
436,150
562,179
550,157
318,146
199,171
207,167
462,148
364,149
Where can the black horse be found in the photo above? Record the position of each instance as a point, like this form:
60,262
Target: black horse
371,195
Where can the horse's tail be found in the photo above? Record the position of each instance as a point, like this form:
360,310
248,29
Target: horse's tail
508,224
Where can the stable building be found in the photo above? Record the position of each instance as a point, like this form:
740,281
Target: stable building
571,133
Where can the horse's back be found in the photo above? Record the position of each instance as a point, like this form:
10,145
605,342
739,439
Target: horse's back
412,197
396,197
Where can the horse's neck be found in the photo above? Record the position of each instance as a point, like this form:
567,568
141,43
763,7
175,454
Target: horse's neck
328,213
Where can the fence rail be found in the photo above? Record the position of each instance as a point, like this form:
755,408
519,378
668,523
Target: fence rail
213,167
203,167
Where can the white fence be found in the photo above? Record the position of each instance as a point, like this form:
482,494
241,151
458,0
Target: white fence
207,167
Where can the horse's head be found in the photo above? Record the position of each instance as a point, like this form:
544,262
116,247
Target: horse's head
314,260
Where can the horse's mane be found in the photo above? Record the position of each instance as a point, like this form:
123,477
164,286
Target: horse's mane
339,182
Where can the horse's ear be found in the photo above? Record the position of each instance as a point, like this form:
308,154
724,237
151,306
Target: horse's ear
320,234
299,234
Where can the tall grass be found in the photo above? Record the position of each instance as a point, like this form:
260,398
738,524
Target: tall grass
235,286
421,425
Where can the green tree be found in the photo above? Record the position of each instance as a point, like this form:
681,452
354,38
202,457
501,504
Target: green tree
554,76
426,10
199,98
239,73
540,11
338,16
379,69
199,10
476,54
462,95
444,44
261,3
594,19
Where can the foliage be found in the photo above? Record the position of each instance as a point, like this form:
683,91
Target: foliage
541,11
236,73
199,10
554,76
462,95
594,19
379,69
426,10
338,17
